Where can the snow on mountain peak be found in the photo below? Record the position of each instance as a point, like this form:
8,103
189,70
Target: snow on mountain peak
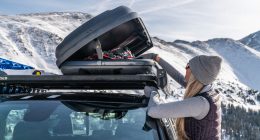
252,40
244,61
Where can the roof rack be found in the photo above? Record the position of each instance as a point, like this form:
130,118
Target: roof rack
27,83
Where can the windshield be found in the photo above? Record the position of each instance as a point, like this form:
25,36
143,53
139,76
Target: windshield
55,120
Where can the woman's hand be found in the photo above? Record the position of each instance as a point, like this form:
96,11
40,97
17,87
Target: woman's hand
153,95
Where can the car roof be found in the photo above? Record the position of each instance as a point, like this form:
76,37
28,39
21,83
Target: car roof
90,97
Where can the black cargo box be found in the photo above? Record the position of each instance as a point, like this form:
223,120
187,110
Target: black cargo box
136,66
117,28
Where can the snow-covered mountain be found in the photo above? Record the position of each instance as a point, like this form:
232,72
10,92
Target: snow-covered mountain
252,40
31,39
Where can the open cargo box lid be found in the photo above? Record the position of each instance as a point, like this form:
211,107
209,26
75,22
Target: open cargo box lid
117,28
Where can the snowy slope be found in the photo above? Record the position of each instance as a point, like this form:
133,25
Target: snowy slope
31,40
245,61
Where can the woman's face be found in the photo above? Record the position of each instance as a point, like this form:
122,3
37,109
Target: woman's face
188,72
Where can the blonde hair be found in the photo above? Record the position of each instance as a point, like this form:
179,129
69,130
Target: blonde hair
193,87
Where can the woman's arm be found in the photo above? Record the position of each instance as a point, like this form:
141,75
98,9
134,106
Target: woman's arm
174,73
196,107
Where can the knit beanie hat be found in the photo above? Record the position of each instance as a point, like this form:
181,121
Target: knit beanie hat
205,68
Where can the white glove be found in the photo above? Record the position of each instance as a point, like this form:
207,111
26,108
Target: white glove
152,94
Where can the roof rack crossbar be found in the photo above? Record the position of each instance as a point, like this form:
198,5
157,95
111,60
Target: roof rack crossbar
79,81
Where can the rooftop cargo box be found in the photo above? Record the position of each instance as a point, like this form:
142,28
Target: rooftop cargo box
117,29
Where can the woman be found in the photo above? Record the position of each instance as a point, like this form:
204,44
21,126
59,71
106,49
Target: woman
199,114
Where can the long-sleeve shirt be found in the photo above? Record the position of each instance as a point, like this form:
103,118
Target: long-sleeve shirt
196,107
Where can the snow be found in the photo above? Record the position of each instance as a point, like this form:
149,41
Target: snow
32,39
244,61
252,40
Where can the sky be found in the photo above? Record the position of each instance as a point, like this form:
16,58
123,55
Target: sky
167,19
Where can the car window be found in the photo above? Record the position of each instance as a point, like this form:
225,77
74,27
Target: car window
55,120
14,116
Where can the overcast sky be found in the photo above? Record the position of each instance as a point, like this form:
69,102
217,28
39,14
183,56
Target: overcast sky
167,19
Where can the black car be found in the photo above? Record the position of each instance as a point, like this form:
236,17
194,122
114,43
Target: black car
79,115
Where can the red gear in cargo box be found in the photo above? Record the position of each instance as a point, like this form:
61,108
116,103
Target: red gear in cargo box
115,54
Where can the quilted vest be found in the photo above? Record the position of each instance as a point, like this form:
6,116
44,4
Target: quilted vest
208,128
